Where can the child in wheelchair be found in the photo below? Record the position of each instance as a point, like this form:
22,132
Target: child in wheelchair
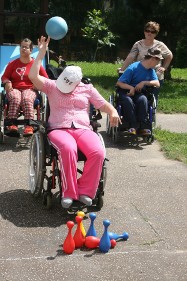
132,83
19,89
69,128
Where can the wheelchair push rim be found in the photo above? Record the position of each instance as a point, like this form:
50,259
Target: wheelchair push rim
37,164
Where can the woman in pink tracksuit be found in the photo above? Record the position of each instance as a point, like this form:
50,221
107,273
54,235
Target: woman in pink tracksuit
69,127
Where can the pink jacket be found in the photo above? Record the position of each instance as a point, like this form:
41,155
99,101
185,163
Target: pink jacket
66,109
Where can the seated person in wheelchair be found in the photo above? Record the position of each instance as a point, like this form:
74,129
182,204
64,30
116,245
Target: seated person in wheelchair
70,130
19,89
136,77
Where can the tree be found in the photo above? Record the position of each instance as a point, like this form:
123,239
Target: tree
97,31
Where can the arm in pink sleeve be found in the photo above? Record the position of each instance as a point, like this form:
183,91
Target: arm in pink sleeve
95,97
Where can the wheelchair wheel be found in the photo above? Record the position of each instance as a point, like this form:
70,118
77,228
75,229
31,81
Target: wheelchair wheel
45,108
154,119
1,119
108,128
1,137
37,164
100,202
104,173
115,134
149,139
47,199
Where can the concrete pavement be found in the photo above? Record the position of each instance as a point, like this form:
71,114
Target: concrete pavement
173,122
146,195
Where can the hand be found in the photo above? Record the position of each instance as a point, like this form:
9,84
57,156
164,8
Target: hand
131,92
161,69
115,119
8,87
43,44
139,86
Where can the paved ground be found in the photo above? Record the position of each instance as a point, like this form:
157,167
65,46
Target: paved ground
173,122
146,196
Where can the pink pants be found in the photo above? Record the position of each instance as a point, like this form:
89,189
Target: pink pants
66,142
24,99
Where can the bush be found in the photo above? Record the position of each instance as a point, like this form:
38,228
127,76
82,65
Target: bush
181,53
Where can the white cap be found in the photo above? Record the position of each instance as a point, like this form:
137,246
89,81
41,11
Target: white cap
69,79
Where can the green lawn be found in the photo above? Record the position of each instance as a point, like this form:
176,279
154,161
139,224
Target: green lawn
172,99
174,145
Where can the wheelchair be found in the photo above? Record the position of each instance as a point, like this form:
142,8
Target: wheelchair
116,132
44,171
39,108
10,52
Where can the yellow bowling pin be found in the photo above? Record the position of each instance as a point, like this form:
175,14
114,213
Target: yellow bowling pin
82,214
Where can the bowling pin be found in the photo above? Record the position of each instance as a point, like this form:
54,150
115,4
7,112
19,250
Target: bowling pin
113,243
82,214
91,231
115,236
91,242
69,244
78,236
105,243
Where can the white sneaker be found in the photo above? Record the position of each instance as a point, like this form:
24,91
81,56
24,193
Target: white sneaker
86,200
66,202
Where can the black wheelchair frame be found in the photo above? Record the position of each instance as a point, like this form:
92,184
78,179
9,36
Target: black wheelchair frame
116,132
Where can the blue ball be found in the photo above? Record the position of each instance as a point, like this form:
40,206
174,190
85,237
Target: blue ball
56,28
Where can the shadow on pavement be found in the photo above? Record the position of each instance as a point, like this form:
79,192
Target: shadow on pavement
124,142
15,144
23,210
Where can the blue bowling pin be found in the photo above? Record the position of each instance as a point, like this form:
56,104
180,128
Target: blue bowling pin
105,244
91,231
115,236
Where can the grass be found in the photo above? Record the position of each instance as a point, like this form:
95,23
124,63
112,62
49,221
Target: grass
172,99
174,145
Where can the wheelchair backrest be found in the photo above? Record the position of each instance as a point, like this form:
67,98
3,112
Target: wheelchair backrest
10,52
53,72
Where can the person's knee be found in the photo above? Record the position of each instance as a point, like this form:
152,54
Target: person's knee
13,98
100,153
127,103
142,101
67,148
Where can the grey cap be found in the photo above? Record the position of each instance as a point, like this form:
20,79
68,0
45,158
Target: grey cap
155,53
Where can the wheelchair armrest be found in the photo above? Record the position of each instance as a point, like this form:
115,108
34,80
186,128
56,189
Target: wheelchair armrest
98,116
86,80
121,91
148,90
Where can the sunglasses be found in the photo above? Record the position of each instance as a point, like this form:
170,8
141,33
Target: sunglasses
150,31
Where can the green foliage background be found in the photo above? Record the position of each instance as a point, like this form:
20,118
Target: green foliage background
124,18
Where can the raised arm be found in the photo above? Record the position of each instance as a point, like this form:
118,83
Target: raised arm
34,75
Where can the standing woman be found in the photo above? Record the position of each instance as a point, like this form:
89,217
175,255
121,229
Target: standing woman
19,88
141,47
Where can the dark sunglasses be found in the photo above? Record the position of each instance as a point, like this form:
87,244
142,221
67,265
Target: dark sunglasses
150,31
